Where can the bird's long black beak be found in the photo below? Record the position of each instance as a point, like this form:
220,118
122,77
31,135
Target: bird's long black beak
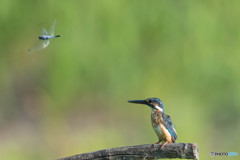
138,101
142,102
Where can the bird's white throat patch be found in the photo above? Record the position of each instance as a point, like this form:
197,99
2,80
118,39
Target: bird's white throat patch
159,108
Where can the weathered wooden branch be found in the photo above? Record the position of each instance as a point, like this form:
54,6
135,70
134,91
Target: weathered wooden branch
147,151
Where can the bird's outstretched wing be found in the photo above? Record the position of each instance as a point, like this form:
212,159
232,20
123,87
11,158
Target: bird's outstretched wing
51,30
167,122
39,46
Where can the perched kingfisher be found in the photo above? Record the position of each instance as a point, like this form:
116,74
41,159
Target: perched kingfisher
162,123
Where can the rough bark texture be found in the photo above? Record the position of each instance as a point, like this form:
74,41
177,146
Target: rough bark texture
148,151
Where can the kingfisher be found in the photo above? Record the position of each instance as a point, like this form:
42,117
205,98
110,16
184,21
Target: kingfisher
161,122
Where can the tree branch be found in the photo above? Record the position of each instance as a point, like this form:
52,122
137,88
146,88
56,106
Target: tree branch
147,151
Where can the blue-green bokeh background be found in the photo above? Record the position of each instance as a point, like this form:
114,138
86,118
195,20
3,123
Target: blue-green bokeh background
72,97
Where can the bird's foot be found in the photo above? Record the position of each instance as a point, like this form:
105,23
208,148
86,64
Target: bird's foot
155,144
164,144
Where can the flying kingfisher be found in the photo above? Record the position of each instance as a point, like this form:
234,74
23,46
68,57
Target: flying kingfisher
162,123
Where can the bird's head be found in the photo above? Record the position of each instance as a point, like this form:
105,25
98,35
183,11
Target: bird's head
154,103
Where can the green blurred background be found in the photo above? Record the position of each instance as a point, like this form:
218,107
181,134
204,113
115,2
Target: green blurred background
72,97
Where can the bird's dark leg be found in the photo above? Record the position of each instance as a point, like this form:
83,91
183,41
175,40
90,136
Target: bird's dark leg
156,143
164,144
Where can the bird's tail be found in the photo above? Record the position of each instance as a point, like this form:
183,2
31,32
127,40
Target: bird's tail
58,36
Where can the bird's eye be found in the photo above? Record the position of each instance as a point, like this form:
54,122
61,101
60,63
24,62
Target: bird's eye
150,101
